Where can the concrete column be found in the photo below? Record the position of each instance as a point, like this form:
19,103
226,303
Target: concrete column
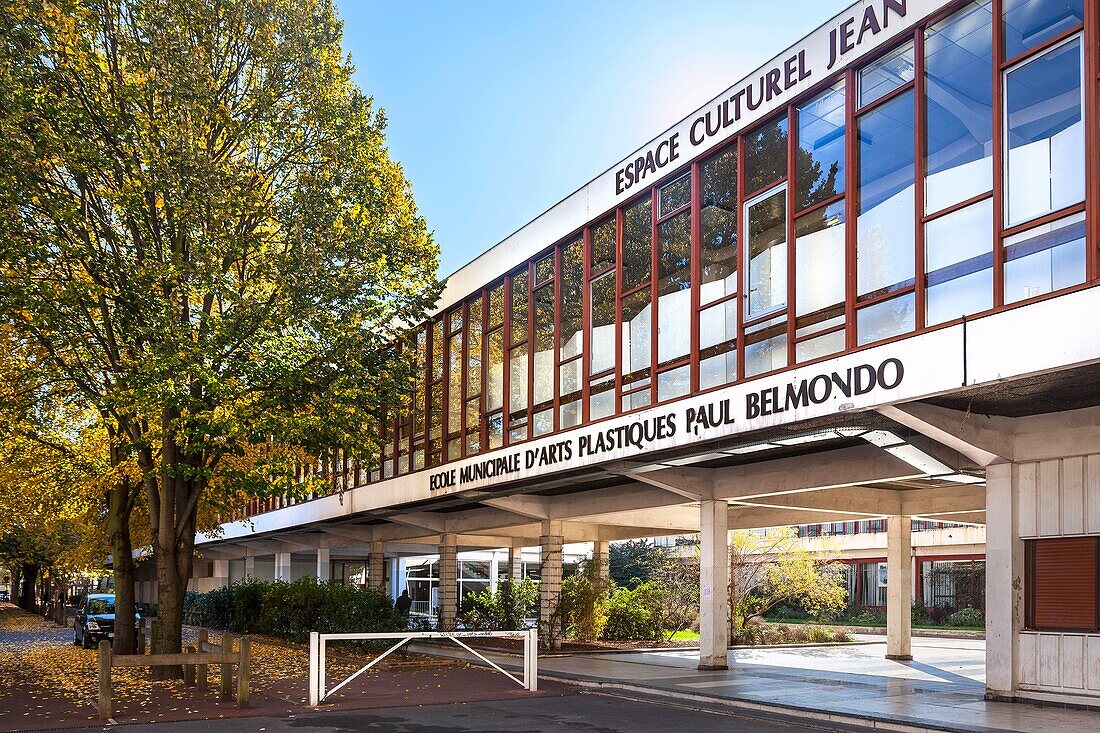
899,588
221,573
376,566
494,571
448,581
601,556
550,621
250,567
1004,580
397,576
714,580
515,563
282,566
324,565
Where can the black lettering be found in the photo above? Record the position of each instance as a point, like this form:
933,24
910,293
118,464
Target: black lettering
821,387
832,49
866,379
898,6
619,181
797,396
692,135
899,373
752,405
846,33
789,72
674,146
844,384
870,23
773,84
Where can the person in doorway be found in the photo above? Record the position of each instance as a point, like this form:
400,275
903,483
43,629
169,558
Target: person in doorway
404,603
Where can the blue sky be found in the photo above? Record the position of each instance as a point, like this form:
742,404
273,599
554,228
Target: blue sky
497,110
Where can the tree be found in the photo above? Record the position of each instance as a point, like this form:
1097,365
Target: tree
201,226
631,562
769,569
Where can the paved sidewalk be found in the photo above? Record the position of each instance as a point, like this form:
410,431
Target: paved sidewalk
941,689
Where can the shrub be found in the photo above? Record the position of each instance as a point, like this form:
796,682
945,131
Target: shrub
764,634
505,610
584,603
292,610
634,614
967,617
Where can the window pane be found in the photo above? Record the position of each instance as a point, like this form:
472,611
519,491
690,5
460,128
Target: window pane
571,293
601,399
637,249
959,135
1046,138
766,351
494,388
884,250
543,387
517,381
543,422
571,385
569,414
544,269
718,245
636,333
496,430
673,383
519,307
674,288
603,245
766,220
766,155
436,412
714,371
814,348
819,260
603,324
885,319
1030,22
820,164
1045,259
473,427
718,324
675,195
437,350
958,253
454,384
496,306
473,349
879,78
635,400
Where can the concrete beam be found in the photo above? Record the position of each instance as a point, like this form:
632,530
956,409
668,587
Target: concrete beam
690,483
984,439
535,507
420,520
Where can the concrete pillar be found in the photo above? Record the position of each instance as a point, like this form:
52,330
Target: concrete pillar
282,566
221,573
397,576
515,563
376,566
714,580
448,581
494,571
250,567
324,565
1004,580
601,556
899,588
550,621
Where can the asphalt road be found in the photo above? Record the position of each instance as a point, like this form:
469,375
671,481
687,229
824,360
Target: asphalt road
590,713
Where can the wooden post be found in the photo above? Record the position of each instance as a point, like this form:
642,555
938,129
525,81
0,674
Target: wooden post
189,669
226,690
202,677
244,673
105,712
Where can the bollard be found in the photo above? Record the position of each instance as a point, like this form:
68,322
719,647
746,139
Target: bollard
244,673
105,711
189,669
202,676
226,690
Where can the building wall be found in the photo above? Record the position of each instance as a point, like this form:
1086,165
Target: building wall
1059,498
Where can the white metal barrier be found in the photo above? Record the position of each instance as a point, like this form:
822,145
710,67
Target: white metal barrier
317,647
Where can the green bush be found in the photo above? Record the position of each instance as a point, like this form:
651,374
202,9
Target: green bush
967,617
292,610
634,614
505,610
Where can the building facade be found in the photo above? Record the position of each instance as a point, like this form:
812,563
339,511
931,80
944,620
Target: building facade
859,284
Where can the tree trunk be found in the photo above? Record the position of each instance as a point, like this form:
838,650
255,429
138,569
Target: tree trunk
27,599
122,558
174,544
16,583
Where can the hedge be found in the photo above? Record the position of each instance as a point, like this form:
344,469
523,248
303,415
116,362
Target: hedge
292,610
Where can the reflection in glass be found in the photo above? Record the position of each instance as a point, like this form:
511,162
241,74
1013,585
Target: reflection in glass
1046,138
544,269
603,324
885,319
494,386
673,383
820,164
766,221
766,350
819,262
766,155
958,253
635,357
496,430
884,248
543,378
519,307
496,306
1030,22
543,422
829,343
1045,259
570,379
454,383
718,324
674,288
714,371
718,242
473,349
601,399
517,391
892,71
718,345
637,250
635,400
959,128
603,245
473,426
675,195
571,294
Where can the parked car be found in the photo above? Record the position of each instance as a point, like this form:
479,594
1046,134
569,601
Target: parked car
95,620
5,597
